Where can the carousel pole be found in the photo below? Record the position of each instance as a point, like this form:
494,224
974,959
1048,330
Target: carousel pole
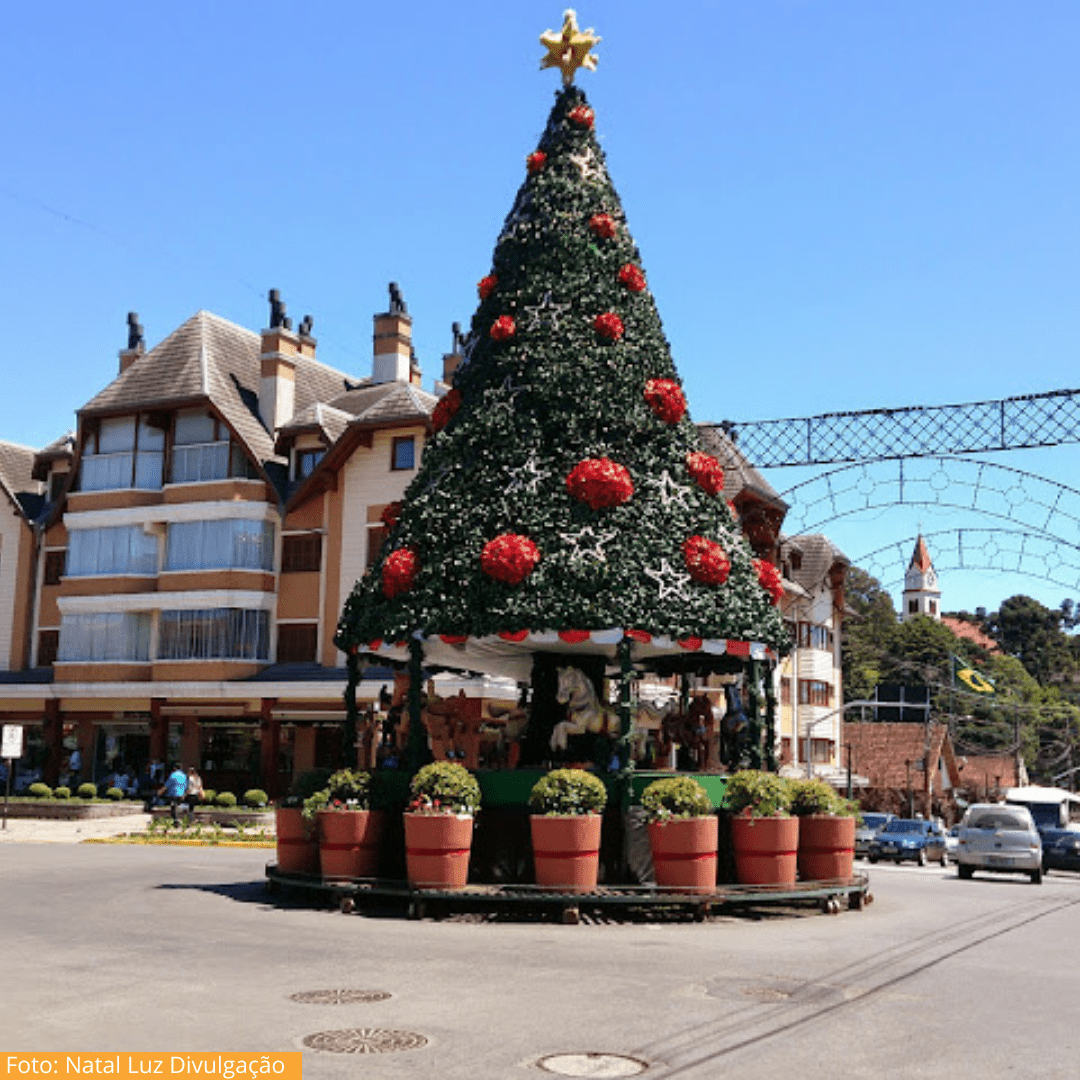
415,752
753,714
352,665
626,765
770,719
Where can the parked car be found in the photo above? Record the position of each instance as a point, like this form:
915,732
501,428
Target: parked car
910,838
1060,849
872,824
1000,839
952,843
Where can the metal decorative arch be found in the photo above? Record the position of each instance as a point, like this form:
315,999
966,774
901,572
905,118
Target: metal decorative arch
1014,551
1032,503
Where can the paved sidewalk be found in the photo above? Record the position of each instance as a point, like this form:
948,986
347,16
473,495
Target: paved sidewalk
39,831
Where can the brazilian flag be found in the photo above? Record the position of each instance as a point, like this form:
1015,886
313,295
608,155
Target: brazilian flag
974,680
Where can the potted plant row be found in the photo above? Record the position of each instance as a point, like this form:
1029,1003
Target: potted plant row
297,837
439,825
348,828
683,834
826,830
567,811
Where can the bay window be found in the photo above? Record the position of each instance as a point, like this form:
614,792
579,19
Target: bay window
122,452
122,550
105,637
214,634
227,544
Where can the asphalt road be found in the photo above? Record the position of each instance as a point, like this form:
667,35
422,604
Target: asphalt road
127,948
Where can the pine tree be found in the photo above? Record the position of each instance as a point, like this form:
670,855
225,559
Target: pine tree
564,488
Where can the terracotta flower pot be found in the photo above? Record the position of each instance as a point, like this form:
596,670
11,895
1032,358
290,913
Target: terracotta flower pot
765,849
437,850
566,851
826,847
349,842
684,853
297,842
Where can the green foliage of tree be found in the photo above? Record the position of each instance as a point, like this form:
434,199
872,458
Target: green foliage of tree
866,633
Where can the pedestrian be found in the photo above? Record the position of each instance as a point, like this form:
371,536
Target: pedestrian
174,789
194,789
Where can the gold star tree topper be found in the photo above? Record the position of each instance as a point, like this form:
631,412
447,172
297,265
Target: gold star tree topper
568,49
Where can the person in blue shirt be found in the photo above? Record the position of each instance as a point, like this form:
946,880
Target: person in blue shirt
173,790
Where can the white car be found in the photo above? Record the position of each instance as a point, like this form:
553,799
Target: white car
999,839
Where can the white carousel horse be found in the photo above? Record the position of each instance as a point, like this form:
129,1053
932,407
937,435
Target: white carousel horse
586,713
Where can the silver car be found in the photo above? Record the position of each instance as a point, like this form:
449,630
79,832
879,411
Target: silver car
999,839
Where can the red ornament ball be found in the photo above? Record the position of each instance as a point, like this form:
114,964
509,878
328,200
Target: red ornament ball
602,225
536,161
503,328
769,578
399,572
509,558
391,513
486,286
582,115
599,483
445,410
706,560
608,326
632,277
666,399
706,471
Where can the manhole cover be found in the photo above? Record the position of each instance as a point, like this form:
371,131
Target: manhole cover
368,1041
592,1065
337,997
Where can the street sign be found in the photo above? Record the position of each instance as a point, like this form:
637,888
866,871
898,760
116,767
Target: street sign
11,741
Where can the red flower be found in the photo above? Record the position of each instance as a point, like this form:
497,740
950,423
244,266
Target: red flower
600,482
445,410
486,286
574,637
399,572
769,577
509,558
632,277
602,225
581,115
608,326
666,399
706,470
503,328
391,513
706,561
536,161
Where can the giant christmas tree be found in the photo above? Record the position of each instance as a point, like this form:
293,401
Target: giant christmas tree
564,488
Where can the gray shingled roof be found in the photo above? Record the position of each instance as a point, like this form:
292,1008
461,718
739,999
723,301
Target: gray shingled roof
16,478
819,554
739,474
320,417
378,403
209,358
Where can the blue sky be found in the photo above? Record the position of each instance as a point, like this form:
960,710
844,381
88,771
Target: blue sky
840,205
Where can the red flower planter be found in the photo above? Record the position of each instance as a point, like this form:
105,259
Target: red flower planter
566,851
349,842
297,842
765,849
826,847
684,853
437,850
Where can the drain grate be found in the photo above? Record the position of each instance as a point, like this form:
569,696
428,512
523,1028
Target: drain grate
365,1041
338,997
609,1065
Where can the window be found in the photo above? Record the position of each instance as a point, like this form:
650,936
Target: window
123,550
814,692
821,751
48,644
913,607
785,750
301,552
200,448
813,636
105,637
122,452
376,535
306,460
297,642
785,691
55,562
57,480
933,607
796,560
403,455
214,634
228,544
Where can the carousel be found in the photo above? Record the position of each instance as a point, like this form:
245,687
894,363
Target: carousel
568,536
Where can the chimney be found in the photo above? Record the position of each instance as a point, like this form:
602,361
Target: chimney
451,361
277,364
393,342
136,346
